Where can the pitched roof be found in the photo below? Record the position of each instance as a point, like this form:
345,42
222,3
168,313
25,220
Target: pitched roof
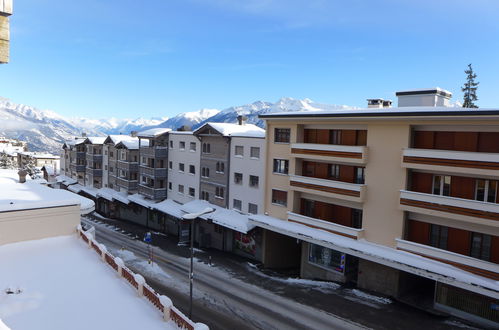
235,130
154,132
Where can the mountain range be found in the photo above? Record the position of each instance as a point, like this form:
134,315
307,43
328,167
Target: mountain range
45,130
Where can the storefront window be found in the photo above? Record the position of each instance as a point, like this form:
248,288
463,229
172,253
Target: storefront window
325,257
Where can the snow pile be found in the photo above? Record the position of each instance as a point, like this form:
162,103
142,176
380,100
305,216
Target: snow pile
75,291
236,130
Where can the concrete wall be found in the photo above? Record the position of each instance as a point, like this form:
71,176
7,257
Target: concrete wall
378,278
186,157
280,251
40,223
316,272
247,166
4,39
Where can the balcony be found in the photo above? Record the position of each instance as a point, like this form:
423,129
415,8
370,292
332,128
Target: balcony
94,157
450,207
77,168
154,152
467,162
470,264
127,166
331,227
81,154
330,152
130,185
152,193
94,171
153,172
334,189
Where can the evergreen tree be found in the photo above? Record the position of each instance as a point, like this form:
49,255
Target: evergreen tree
33,171
470,88
6,161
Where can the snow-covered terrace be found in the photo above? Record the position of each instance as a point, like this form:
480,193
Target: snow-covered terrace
77,290
15,196
391,257
235,130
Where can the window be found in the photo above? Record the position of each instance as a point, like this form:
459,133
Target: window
192,192
111,153
170,186
181,145
105,167
253,181
237,204
205,195
308,208
252,208
441,185
206,148
279,197
480,246
255,152
486,191
438,236
335,136
171,145
334,171
220,167
111,169
356,218
239,151
219,192
359,175
281,135
205,172
192,169
170,165
181,167
238,178
327,258
281,166
181,188
192,146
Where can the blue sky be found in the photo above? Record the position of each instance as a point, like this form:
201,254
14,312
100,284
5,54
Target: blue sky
160,57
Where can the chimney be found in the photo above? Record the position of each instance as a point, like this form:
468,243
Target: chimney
428,97
22,175
83,134
241,120
133,133
379,103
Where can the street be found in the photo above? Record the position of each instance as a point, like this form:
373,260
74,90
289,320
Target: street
229,295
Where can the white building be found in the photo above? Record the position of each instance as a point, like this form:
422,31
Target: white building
247,174
183,166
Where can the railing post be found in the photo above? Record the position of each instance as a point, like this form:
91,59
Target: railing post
103,251
140,284
167,306
119,262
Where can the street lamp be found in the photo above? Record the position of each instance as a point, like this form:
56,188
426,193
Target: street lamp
192,217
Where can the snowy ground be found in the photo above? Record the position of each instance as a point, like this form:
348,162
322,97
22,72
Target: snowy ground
59,283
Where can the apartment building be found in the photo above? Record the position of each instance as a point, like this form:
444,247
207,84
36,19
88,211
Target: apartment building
247,173
153,152
94,163
38,159
183,166
110,158
73,160
127,166
5,12
400,201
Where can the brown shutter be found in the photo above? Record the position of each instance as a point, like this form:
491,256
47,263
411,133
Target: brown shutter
362,137
347,173
348,137
494,250
321,170
488,142
423,140
462,187
458,241
310,135
419,232
444,140
422,182
466,141
343,215
323,136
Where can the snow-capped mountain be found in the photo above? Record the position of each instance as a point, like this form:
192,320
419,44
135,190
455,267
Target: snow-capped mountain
251,111
116,125
189,118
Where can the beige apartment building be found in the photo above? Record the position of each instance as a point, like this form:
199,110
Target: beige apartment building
5,12
401,201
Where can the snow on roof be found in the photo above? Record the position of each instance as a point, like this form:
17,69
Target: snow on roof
65,180
77,291
170,207
96,139
75,141
131,144
154,132
386,112
181,132
374,252
117,138
224,217
49,168
236,130
39,155
111,194
15,196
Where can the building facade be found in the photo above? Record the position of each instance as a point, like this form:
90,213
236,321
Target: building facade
5,12
400,201
94,161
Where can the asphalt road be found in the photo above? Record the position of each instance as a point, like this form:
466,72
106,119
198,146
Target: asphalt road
221,301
